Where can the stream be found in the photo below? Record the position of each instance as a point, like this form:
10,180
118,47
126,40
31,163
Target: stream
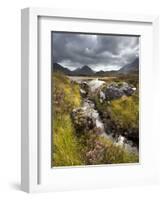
89,107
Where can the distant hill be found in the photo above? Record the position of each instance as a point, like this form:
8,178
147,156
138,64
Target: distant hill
101,72
83,71
60,68
130,68
106,73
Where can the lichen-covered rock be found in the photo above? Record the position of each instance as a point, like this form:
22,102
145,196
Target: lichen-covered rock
82,121
115,90
87,118
127,89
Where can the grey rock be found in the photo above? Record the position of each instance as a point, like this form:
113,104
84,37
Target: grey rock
84,89
115,90
112,93
82,121
127,89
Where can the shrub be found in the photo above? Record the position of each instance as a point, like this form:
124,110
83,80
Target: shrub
100,150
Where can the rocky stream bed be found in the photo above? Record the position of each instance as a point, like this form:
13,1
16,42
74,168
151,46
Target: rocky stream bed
88,117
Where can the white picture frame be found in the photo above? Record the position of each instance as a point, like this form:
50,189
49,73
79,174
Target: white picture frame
37,176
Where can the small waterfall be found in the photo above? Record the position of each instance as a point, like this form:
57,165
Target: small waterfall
89,106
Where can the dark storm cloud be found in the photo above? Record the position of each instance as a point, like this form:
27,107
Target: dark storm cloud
100,52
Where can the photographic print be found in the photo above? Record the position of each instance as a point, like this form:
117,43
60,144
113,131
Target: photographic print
95,99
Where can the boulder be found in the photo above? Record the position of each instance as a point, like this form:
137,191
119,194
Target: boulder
84,89
127,89
112,93
115,90
82,121
86,118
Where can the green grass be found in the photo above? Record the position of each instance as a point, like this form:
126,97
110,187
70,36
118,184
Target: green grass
65,146
66,149
125,111
66,95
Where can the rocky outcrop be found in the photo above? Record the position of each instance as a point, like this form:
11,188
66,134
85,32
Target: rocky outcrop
86,118
127,89
95,85
84,89
82,121
115,90
106,91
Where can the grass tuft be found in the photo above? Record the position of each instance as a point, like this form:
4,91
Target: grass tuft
65,146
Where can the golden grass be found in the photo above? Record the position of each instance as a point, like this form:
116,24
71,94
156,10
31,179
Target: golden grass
126,111
65,146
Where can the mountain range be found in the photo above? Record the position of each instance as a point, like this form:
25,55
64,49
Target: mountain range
131,68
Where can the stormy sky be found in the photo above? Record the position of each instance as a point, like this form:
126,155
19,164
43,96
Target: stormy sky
100,52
